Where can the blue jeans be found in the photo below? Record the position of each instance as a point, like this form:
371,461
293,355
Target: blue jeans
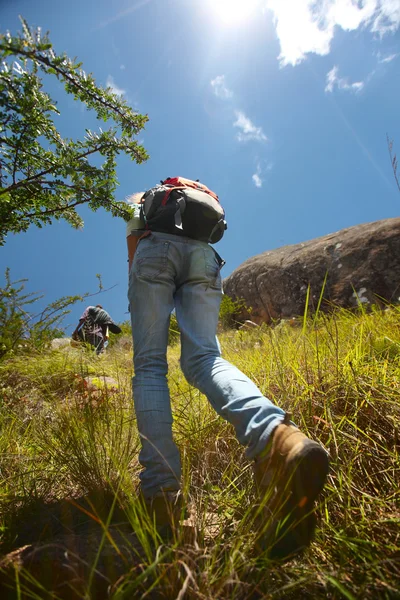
170,272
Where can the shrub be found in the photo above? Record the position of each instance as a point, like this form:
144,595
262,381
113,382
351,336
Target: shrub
232,312
174,334
20,328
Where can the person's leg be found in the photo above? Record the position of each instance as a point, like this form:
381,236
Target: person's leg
98,343
151,288
233,395
290,469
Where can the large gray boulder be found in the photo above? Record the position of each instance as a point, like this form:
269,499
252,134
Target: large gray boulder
361,263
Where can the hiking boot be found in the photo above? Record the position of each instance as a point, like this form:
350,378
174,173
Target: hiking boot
165,510
289,474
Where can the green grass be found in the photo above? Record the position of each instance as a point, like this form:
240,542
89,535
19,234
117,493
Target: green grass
68,467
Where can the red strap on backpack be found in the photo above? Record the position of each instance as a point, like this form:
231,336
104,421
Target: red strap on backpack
168,192
180,183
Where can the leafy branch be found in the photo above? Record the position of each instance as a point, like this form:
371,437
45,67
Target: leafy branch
393,160
44,176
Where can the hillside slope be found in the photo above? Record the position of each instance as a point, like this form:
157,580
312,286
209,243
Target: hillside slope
72,525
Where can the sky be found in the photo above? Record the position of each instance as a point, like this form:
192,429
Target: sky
282,107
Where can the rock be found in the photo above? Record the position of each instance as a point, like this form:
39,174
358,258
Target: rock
294,323
361,265
249,325
100,382
93,389
59,343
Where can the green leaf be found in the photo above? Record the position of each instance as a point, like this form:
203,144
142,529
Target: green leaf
59,168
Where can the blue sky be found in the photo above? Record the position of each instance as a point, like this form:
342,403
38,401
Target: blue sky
280,106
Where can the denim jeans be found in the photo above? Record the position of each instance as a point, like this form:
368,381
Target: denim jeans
170,272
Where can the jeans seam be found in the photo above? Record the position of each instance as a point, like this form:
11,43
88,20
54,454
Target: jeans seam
212,280
163,265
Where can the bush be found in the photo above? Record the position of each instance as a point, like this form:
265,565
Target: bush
174,334
21,329
232,312
126,332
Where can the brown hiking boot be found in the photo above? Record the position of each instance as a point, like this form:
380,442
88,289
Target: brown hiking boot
289,474
166,510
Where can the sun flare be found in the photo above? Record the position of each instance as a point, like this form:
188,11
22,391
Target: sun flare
233,12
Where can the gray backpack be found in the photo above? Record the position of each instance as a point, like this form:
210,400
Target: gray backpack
101,317
184,207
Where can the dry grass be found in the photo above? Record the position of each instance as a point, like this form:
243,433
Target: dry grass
338,375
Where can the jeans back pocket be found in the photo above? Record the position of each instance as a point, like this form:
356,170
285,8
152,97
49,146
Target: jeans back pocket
213,268
151,257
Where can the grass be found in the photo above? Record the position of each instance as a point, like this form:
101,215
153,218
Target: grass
69,471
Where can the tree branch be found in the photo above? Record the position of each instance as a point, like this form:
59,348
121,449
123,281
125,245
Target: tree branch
52,211
47,171
7,142
69,206
17,147
393,160
44,60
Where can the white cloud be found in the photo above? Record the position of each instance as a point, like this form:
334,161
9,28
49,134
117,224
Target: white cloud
342,83
114,88
387,17
220,89
308,26
257,180
122,67
248,131
261,166
387,59
256,177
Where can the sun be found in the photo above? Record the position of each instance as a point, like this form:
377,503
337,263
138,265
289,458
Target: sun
233,12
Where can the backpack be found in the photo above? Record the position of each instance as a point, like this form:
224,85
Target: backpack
100,316
184,207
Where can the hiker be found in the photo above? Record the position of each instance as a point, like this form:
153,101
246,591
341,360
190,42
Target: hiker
93,328
173,266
